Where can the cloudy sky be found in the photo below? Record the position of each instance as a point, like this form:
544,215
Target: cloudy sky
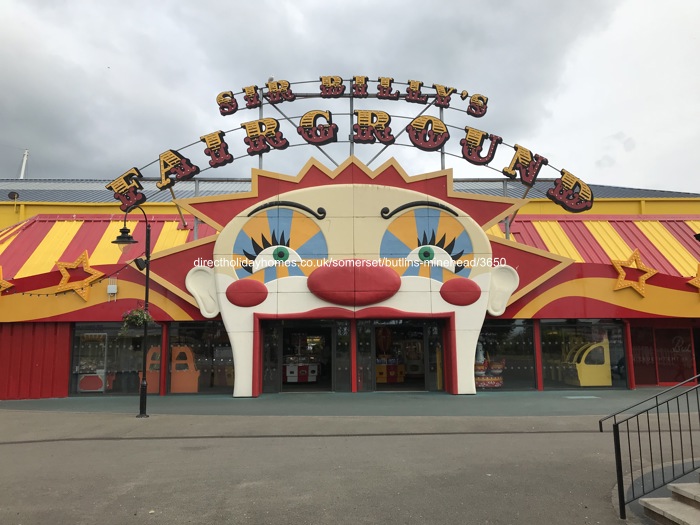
605,89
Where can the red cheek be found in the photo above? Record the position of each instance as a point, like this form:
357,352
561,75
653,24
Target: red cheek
246,292
460,292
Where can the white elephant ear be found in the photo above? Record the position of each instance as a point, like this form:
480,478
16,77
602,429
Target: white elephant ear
200,282
504,281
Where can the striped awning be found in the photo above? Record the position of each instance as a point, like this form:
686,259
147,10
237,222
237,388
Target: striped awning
665,243
34,246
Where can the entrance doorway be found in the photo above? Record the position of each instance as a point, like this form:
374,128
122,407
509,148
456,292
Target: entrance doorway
400,355
306,355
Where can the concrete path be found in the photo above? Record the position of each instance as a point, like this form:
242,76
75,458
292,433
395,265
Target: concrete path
498,458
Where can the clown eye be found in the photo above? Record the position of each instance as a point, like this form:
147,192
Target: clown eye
274,256
433,256
281,253
426,253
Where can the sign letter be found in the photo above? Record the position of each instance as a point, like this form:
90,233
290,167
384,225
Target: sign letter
263,134
522,161
172,163
228,105
473,143
384,89
427,133
318,134
332,87
571,193
125,188
279,91
414,92
217,149
371,126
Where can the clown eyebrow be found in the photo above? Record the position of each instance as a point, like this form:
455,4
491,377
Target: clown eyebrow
388,214
320,213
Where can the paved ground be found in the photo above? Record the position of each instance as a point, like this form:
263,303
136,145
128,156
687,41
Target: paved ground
496,458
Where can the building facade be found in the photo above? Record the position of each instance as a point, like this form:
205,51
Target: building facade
350,280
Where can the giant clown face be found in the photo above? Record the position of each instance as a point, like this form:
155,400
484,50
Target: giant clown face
352,250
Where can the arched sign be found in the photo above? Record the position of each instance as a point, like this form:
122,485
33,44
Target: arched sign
369,126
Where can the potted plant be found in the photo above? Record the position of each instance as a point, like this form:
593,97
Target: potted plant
134,319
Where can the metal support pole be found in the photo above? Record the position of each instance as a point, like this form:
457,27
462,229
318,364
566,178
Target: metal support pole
618,468
143,395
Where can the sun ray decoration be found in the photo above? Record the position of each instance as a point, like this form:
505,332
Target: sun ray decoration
635,262
4,285
82,288
695,281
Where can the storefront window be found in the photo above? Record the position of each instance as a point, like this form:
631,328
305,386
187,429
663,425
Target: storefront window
505,356
201,359
105,361
583,353
644,356
674,351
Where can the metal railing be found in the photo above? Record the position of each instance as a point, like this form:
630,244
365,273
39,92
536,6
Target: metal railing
655,445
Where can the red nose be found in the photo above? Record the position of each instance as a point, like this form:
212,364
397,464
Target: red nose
353,282
246,293
460,292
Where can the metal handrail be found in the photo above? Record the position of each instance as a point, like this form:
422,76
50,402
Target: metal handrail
655,448
656,397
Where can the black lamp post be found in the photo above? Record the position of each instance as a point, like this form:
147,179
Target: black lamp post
124,239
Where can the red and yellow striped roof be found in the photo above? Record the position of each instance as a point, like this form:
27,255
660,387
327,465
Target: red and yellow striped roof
34,246
666,243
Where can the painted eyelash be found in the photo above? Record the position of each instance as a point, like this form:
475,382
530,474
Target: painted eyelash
448,247
264,243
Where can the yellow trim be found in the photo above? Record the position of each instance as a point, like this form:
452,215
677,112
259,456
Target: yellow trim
657,301
50,249
612,243
495,231
557,240
681,259
17,307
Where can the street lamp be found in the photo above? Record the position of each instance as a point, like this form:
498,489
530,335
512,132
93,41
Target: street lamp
123,240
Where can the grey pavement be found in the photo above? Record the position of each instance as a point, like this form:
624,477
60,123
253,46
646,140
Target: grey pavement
410,458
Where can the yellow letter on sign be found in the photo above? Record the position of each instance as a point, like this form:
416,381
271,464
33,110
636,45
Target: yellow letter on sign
263,134
523,163
172,163
372,125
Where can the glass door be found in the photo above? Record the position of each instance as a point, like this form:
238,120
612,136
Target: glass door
341,357
365,356
434,365
271,356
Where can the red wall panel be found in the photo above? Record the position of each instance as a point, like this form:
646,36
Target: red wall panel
34,360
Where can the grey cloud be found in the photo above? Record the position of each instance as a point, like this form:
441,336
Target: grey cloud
100,87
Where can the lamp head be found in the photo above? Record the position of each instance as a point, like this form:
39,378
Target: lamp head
124,240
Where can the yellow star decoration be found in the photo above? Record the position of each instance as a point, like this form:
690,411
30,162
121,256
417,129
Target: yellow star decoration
82,288
4,285
633,262
695,281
